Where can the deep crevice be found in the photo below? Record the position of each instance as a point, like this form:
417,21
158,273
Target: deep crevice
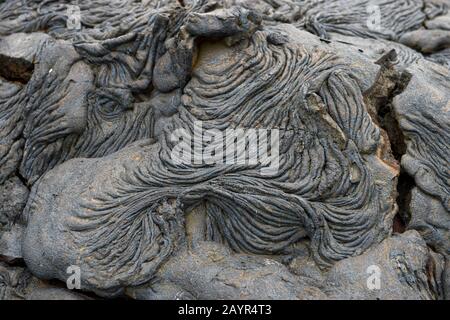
388,121
23,179
13,262
380,96
15,69
405,185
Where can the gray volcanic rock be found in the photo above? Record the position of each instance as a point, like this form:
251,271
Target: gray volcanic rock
230,149
17,283
55,294
13,282
126,184
211,271
23,45
13,197
408,270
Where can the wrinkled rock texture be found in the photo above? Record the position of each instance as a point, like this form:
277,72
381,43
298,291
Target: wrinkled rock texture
93,92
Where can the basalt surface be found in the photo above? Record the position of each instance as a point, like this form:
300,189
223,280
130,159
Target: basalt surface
354,96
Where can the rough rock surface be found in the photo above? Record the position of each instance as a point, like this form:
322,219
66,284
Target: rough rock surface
408,271
350,201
